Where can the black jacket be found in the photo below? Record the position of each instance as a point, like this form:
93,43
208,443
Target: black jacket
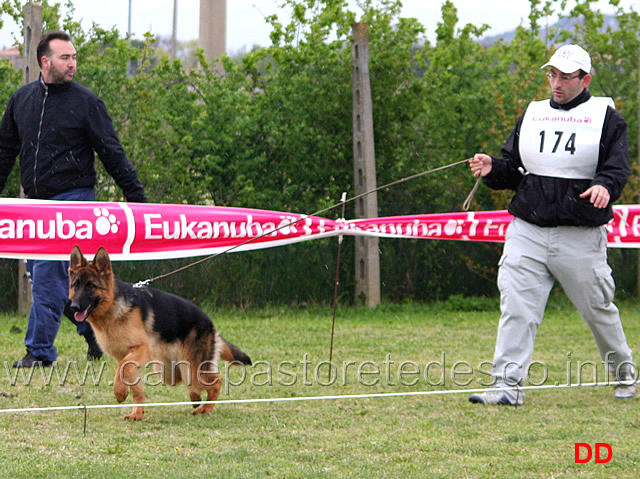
549,201
55,129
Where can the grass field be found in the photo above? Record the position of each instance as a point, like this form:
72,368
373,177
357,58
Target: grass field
441,347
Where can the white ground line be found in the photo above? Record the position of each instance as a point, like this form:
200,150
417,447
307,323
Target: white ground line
303,398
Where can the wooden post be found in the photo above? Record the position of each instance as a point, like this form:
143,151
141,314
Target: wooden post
367,254
32,34
213,30
31,71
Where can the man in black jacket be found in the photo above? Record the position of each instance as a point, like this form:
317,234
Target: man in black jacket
567,161
56,126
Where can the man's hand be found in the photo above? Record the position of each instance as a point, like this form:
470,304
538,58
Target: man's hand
480,164
598,195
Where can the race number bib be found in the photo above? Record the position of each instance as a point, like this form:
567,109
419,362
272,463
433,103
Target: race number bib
561,143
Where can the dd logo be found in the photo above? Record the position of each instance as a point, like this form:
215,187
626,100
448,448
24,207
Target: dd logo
589,452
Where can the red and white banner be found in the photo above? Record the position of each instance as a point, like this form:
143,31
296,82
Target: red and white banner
39,229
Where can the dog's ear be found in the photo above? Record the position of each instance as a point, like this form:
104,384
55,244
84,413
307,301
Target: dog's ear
102,261
77,259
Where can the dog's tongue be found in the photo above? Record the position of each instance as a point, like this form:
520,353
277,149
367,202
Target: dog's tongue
81,316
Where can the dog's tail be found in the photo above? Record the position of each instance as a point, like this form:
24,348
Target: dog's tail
232,353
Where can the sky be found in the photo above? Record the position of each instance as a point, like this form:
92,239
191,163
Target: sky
246,24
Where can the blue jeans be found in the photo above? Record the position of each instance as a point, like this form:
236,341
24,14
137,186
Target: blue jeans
50,290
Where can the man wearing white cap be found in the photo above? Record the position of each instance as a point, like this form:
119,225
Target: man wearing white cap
567,161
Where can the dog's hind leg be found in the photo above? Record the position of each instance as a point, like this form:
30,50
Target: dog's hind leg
206,381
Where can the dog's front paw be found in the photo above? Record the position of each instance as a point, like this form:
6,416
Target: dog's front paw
121,391
135,416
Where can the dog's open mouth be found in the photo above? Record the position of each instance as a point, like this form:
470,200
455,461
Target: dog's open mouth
82,315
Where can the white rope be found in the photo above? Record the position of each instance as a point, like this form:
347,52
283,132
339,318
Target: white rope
305,398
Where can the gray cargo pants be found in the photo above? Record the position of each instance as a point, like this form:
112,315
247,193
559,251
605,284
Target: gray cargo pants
533,259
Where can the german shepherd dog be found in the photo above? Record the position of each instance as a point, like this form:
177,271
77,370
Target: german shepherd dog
144,326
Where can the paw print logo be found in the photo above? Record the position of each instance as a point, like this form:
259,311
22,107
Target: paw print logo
453,227
105,223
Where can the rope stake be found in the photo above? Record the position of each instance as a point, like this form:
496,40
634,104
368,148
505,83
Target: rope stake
337,282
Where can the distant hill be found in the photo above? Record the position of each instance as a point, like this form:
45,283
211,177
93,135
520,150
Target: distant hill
562,24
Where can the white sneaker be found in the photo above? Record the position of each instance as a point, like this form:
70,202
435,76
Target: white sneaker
627,388
625,392
497,397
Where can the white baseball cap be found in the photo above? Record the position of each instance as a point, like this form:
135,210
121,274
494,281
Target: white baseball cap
570,58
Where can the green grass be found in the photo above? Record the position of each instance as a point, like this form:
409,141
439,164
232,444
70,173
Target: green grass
436,436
